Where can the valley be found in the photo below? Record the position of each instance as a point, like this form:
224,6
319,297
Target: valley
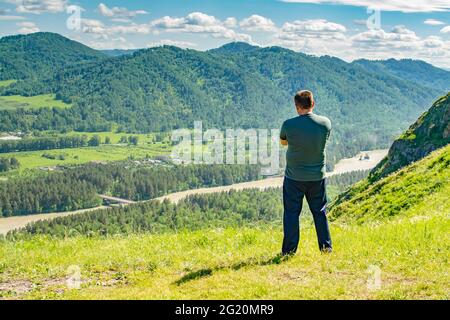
344,166
93,207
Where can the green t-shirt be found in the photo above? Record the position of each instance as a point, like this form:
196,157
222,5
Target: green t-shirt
307,136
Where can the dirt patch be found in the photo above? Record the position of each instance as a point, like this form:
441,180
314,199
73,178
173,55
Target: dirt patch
15,288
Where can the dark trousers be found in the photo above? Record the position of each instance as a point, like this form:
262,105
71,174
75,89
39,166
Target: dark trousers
315,192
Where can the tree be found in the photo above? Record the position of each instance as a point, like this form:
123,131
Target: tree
133,140
94,141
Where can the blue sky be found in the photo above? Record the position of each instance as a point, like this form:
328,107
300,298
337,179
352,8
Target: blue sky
343,28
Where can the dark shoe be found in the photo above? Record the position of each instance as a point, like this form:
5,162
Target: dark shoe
326,250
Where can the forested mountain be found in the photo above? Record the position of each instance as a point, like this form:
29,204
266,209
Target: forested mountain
366,108
39,54
416,71
386,192
430,132
237,85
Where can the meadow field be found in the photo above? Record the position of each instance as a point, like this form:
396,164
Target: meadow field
391,254
35,102
404,258
114,151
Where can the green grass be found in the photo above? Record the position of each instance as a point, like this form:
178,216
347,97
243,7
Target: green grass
412,255
34,102
113,152
410,249
367,201
6,83
34,159
115,136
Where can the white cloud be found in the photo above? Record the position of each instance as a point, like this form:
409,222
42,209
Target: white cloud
321,37
258,23
316,26
198,22
176,43
100,30
230,22
27,27
316,36
101,43
399,37
91,23
433,42
168,23
119,12
433,22
400,42
39,6
201,19
299,34
445,29
388,5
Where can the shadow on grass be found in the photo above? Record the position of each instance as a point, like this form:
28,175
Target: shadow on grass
205,272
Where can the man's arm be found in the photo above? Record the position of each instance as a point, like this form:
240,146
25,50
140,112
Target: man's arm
283,136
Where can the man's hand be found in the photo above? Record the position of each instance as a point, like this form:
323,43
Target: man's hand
283,142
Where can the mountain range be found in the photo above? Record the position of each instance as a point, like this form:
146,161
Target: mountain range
236,85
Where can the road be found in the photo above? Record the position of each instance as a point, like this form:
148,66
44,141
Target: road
116,200
343,166
16,222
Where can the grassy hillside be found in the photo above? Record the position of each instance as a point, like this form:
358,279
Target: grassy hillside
430,132
421,183
403,244
410,253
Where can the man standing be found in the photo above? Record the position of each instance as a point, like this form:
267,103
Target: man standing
306,137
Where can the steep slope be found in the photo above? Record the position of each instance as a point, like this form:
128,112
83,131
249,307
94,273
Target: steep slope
40,53
430,132
416,71
416,183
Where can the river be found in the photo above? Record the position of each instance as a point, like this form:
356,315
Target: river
343,166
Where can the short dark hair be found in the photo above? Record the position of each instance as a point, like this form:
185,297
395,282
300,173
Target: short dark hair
304,99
